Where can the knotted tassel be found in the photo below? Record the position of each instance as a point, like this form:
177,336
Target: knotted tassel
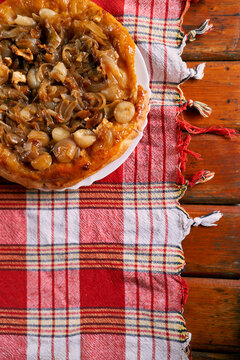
200,177
198,72
203,109
207,220
203,29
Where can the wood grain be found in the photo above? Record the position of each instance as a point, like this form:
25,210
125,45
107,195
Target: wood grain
212,314
214,356
221,156
213,252
220,89
223,43
211,310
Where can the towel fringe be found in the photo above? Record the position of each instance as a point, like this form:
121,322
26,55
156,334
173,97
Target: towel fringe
183,151
200,177
195,130
208,220
203,29
205,220
183,143
198,72
203,109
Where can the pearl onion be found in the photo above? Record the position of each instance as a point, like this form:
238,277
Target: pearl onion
65,150
84,138
40,136
124,112
59,134
42,162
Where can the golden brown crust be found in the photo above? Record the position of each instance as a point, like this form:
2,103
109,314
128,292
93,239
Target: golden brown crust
60,175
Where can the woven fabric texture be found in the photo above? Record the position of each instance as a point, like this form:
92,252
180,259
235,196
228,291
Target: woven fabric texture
94,273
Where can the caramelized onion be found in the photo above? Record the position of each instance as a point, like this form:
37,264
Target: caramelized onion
40,136
28,43
46,14
59,134
28,152
96,119
42,92
13,33
65,109
109,109
18,77
42,162
67,53
5,126
96,87
65,150
25,53
124,112
33,79
4,73
28,112
59,72
96,31
12,139
43,70
84,138
24,21
54,40
5,50
6,92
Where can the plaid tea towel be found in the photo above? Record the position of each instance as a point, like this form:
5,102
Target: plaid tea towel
94,273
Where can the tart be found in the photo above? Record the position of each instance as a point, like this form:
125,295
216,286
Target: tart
69,99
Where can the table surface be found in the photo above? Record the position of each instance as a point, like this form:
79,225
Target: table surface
212,254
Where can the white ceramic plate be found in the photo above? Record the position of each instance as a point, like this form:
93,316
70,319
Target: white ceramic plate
142,79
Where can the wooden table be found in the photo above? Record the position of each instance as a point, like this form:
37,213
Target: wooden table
212,254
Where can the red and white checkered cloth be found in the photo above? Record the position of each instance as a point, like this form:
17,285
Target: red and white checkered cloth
94,274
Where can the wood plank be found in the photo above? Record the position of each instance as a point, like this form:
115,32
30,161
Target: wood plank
221,156
212,314
196,355
220,89
213,252
223,43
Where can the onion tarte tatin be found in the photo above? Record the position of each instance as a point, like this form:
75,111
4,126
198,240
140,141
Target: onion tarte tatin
69,99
